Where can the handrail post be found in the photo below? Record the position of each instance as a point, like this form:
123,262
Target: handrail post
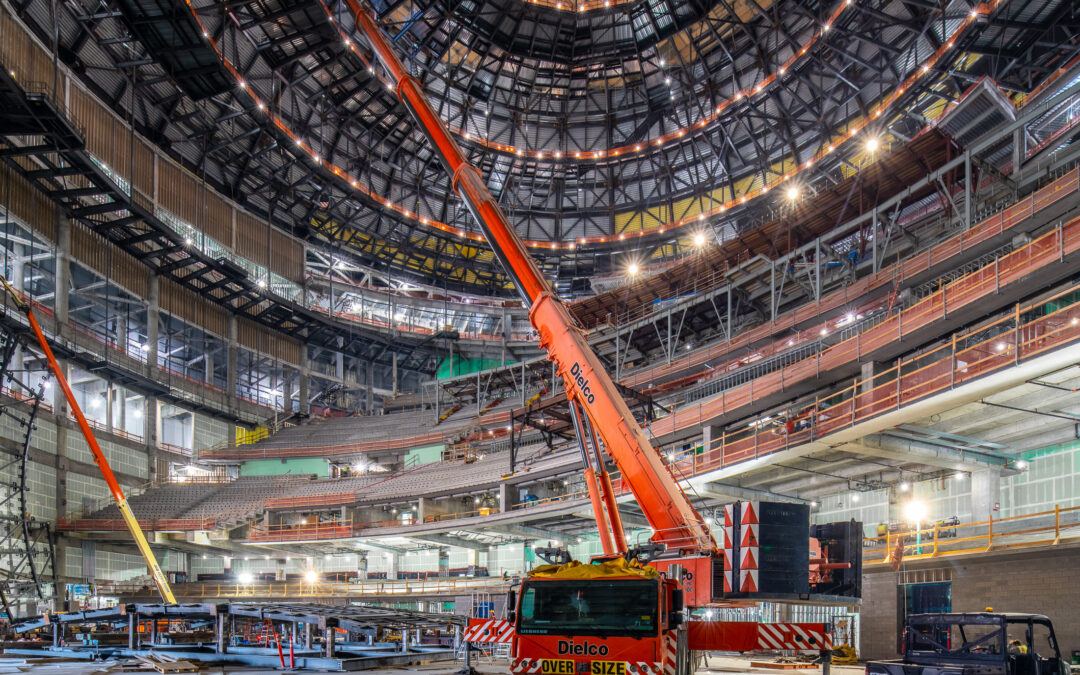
952,364
898,378
990,535
936,534
1057,524
1016,336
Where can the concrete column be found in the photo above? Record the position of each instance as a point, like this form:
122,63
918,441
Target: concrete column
208,368
710,436
421,509
110,394
153,319
369,380
504,498
866,376
287,394
230,363
60,409
303,384
394,386
152,416
985,494
18,266
60,565
63,267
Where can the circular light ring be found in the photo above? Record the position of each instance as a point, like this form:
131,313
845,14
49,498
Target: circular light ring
385,203
658,142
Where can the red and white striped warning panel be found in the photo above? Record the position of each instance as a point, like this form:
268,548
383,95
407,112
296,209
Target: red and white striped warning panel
671,654
749,636
489,630
793,637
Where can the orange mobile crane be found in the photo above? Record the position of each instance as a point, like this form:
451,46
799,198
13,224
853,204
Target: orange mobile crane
99,457
616,616
601,416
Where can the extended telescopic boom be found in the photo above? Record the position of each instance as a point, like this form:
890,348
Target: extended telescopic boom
99,457
665,506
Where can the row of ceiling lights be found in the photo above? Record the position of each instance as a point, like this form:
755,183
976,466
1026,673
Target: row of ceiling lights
673,136
389,204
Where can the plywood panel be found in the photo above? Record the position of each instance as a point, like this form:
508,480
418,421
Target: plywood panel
32,66
251,238
183,304
286,256
217,218
177,191
27,203
93,250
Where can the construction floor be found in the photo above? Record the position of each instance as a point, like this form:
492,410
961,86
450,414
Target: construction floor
717,664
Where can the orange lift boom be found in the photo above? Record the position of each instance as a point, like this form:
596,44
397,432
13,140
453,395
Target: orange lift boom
676,523
99,457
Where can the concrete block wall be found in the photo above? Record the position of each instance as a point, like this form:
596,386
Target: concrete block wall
122,459
108,565
1038,581
83,490
209,431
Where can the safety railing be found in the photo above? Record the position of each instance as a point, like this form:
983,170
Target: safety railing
1045,528
994,345
1048,249
293,589
478,512
331,499
941,253
301,532
147,525
710,280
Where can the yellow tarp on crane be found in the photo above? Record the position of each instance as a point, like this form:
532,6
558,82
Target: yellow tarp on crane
619,567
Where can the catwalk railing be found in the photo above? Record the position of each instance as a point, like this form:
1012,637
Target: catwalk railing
1060,525
921,373
935,256
293,589
961,358
1045,528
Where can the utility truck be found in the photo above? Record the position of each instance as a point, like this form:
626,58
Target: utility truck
976,643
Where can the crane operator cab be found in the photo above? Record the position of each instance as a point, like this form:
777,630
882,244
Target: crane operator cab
610,618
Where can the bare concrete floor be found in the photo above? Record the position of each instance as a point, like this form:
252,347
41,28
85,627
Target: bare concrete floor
717,665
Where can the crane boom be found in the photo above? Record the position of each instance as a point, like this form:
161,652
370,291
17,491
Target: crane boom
99,457
675,521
